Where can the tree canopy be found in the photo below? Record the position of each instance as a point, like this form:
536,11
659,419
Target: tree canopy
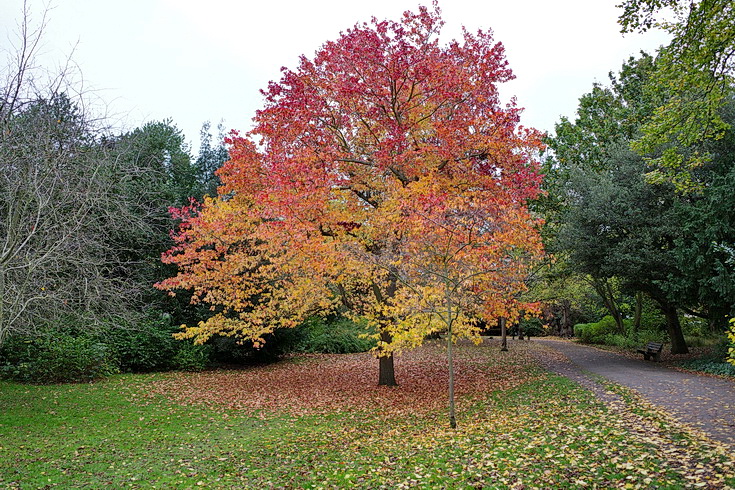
696,71
383,176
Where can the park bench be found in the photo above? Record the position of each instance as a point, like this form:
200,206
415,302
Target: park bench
652,350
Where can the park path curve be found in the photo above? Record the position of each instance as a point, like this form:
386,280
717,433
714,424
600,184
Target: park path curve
704,402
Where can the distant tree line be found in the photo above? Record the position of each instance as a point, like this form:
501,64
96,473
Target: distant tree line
641,185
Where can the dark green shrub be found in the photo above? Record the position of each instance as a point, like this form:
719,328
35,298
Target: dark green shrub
229,350
594,333
149,345
582,332
716,363
334,336
532,326
191,357
68,353
56,357
146,346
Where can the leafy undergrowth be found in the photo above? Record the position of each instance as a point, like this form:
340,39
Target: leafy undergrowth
536,430
709,365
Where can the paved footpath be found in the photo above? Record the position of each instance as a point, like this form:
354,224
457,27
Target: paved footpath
704,402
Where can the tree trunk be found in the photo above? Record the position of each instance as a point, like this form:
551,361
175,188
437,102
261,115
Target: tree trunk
638,311
565,327
678,344
386,376
386,371
604,289
503,336
450,360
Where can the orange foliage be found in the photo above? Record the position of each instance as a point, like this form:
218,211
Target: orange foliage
383,176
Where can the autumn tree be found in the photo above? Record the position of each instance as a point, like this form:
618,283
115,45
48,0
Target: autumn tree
383,176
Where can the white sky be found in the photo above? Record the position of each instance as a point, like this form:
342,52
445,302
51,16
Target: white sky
199,60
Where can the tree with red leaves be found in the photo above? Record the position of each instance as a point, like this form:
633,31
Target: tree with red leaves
382,176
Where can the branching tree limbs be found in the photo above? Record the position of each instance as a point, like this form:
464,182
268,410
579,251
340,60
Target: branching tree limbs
78,207
370,158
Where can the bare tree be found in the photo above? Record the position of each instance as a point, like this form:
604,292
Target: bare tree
62,201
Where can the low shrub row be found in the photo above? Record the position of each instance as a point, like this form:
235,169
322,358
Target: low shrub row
606,332
595,333
337,335
70,353
56,358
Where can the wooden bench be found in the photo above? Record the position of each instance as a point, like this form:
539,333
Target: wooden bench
652,350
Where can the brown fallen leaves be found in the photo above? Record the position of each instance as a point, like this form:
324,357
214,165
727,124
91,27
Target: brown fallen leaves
320,383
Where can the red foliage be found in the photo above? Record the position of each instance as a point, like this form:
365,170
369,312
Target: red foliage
384,175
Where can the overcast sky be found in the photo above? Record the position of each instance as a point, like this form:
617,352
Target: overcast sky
193,60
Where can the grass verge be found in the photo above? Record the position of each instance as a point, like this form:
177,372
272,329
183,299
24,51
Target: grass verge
545,432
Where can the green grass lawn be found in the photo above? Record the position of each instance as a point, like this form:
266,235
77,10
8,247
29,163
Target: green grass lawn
546,432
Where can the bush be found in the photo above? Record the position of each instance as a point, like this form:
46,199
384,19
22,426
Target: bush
718,362
228,350
150,346
191,357
694,327
69,353
333,336
620,341
643,337
56,357
594,333
532,326
711,366
147,346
